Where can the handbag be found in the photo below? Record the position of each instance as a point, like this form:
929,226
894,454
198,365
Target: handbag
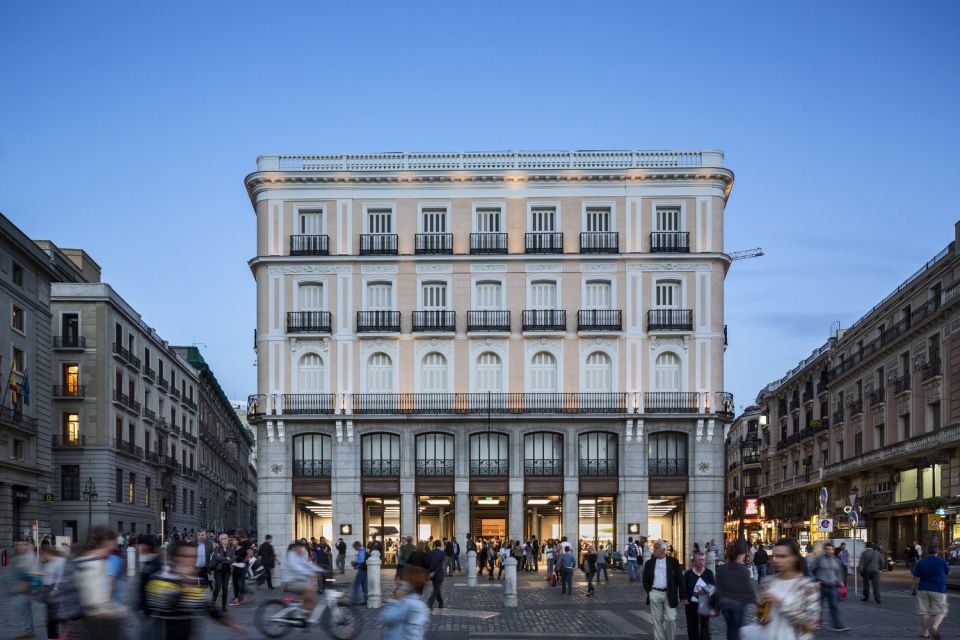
707,602
553,579
842,592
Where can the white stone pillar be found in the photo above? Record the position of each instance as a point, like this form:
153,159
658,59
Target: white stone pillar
374,598
571,511
274,497
471,568
461,513
510,582
515,523
345,493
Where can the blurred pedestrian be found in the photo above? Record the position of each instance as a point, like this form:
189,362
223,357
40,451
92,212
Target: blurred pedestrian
360,580
26,580
789,607
827,571
869,568
104,617
405,617
734,589
150,565
438,561
53,565
695,580
590,568
761,560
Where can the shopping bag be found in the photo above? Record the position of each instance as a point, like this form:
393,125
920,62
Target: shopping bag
706,605
553,579
842,592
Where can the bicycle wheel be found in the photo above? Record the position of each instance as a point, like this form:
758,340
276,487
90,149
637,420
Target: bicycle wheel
342,623
267,621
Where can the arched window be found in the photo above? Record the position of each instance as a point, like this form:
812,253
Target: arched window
489,454
543,454
380,374
667,372
599,373
598,454
311,455
380,454
435,454
310,374
667,454
433,373
543,373
489,373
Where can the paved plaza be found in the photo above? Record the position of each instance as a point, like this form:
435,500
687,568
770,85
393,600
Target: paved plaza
617,611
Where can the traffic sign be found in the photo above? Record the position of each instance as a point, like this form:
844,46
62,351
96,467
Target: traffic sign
854,520
847,509
825,525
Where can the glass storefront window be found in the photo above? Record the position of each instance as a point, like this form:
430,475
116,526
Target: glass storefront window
488,516
543,517
381,517
314,517
435,519
489,454
597,521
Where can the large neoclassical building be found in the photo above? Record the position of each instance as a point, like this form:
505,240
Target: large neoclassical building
502,343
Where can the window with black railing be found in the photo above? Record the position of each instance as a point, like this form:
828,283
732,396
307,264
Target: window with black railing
902,384
670,242
434,320
931,369
489,454
482,244
308,322
378,321
69,341
435,454
378,244
307,403
599,242
543,454
380,455
598,454
544,320
599,320
309,245
670,320
667,454
544,242
428,244
498,321
672,402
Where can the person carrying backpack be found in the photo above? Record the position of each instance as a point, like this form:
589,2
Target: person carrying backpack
567,563
633,566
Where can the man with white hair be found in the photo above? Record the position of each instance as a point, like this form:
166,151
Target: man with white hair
663,582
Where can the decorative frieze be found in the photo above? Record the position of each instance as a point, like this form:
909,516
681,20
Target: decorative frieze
378,268
488,268
317,269
434,268
544,267
669,266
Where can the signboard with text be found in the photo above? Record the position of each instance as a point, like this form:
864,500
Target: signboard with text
751,507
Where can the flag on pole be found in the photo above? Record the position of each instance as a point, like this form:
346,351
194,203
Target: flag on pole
26,387
12,383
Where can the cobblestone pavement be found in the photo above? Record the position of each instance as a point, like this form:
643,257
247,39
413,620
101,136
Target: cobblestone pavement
617,611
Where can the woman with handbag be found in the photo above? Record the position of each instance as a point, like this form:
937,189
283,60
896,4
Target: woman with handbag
589,567
789,607
696,578
221,563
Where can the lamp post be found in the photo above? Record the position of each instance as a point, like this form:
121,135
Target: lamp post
236,441
89,494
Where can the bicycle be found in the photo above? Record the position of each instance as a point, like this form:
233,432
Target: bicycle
275,618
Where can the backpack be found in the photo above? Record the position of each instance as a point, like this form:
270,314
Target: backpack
65,602
632,551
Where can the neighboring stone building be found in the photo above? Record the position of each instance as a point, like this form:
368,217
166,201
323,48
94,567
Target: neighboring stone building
515,344
874,416
744,512
25,459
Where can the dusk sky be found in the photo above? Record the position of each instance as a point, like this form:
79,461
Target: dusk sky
127,128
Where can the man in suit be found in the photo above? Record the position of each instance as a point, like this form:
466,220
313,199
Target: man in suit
437,559
269,559
204,553
663,582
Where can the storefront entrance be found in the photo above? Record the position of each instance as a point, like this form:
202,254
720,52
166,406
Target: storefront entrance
488,516
381,522
313,517
542,517
597,520
435,519
666,515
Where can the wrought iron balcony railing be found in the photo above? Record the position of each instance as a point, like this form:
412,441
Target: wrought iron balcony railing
670,320
856,407
544,320
378,321
308,403
599,242
931,369
487,468
599,320
597,467
308,322
76,391
433,244
902,384
488,321
63,441
69,342
312,468
670,242
126,355
672,402
540,467
378,244
148,373
667,466
487,244
379,468
434,321
551,242
435,468
309,245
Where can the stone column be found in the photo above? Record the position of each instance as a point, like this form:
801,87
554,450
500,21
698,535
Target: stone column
570,517
471,568
510,582
705,497
274,487
374,598
408,486
461,513
632,503
345,492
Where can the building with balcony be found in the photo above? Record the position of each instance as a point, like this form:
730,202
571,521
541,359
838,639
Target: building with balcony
745,514
507,344
873,415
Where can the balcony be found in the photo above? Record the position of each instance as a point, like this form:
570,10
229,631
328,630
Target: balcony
378,244
128,448
489,468
171,463
188,403
152,457
433,244
163,385
435,468
69,343
312,468
600,320
599,467
751,458
148,373
174,394
856,407
488,244
189,437
298,404
540,467
67,442
667,467
488,322
124,354
782,407
309,245
795,404
594,242
126,401
671,402
751,491
822,387
163,425
807,395
378,322
670,242
544,320
487,403
902,384
434,321
877,396
379,468
308,322
69,391
838,417
540,243
670,320
931,369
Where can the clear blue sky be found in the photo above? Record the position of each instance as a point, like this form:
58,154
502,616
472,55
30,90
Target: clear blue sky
126,128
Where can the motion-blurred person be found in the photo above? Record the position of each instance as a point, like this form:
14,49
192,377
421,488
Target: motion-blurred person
789,607
438,560
405,617
734,589
53,564
221,564
104,617
299,573
26,580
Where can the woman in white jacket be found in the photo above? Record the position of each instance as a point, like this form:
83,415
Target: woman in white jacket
103,618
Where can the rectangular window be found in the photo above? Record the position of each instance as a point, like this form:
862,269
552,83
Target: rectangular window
380,296
543,219
879,436
434,296
71,378
71,429
18,450
132,489
173,500
598,219
311,222
489,296
19,360
598,295
668,219
667,295
183,505
18,322
904,427
70,328
70,482
839,449
17,275
146,357
379,221
488,220
311,297
118,496
434,219
146,492
543,295
191,501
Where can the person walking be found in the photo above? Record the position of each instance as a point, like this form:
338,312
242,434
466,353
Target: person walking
761,560
548,551
602,556
268,558
844,557
405,617
221,564
204,553
633,554
789,607
241,545
448,557
663,582
695,579
438,559
455,560
567,562
150,565
359,580
930,589
341,555
590,568
827,571
734,589
104,618
53,566
870,562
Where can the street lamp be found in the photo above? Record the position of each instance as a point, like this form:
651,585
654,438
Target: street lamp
89,494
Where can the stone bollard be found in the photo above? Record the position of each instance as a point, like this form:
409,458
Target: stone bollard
374,599
510,582
131,561
471,568
711,562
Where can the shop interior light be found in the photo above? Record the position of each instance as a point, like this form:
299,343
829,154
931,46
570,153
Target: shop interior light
322,501
391,502
537,501
440,502
587,501
652,501
488,502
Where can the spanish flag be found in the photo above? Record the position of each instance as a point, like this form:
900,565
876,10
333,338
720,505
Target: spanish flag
12,384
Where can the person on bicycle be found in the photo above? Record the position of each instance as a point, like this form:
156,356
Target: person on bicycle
299,573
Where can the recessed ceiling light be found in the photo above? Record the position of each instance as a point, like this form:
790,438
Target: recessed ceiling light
588,501
445,502
488,501
538,501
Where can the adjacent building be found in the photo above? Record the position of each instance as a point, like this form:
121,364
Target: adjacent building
745,514
508,344
873,416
